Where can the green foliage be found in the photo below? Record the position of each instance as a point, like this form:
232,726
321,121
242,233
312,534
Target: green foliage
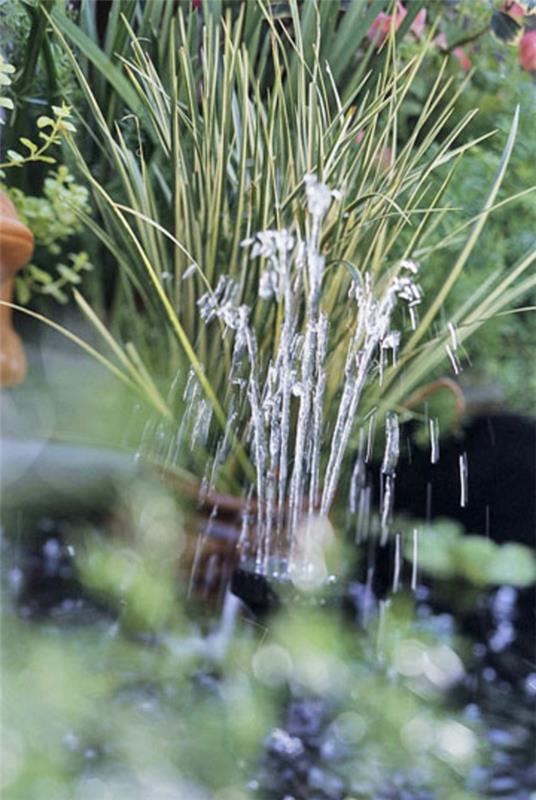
340,35
51,132
198,173
375,684
52,215
137,699
446,552
503,347
55,216
502,351
141,578
41,75
6,70
193,173
34,281
54,219
40,81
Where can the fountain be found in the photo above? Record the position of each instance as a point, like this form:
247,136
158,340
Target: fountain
276,402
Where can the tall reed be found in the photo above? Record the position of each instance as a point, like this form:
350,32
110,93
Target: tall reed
236,148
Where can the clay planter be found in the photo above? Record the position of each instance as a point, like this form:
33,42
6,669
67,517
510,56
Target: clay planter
16,247
211,552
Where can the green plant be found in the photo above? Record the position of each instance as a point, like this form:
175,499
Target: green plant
51,130
496,85
140,700
248,148
445,552
6,70
53,219
40,74
35,280
86,710
197,214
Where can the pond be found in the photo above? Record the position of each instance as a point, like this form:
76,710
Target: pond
87,672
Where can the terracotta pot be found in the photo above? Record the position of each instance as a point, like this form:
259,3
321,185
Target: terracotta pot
16,248
211,562
213,526
219,550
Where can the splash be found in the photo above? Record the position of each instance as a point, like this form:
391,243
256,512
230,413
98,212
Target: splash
299,439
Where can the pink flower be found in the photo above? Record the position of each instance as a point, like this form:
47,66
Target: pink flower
385,158
458,52
441,41
463,58
419,23
379,30
527,51
512,9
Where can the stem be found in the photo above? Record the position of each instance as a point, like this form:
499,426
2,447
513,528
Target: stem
472,37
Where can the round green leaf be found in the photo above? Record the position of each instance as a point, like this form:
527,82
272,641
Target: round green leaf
513,564
436,551
474,558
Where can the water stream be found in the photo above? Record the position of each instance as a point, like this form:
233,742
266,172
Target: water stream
277,402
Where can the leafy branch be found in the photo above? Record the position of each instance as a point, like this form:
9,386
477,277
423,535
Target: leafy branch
5,71
51,130
36,280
